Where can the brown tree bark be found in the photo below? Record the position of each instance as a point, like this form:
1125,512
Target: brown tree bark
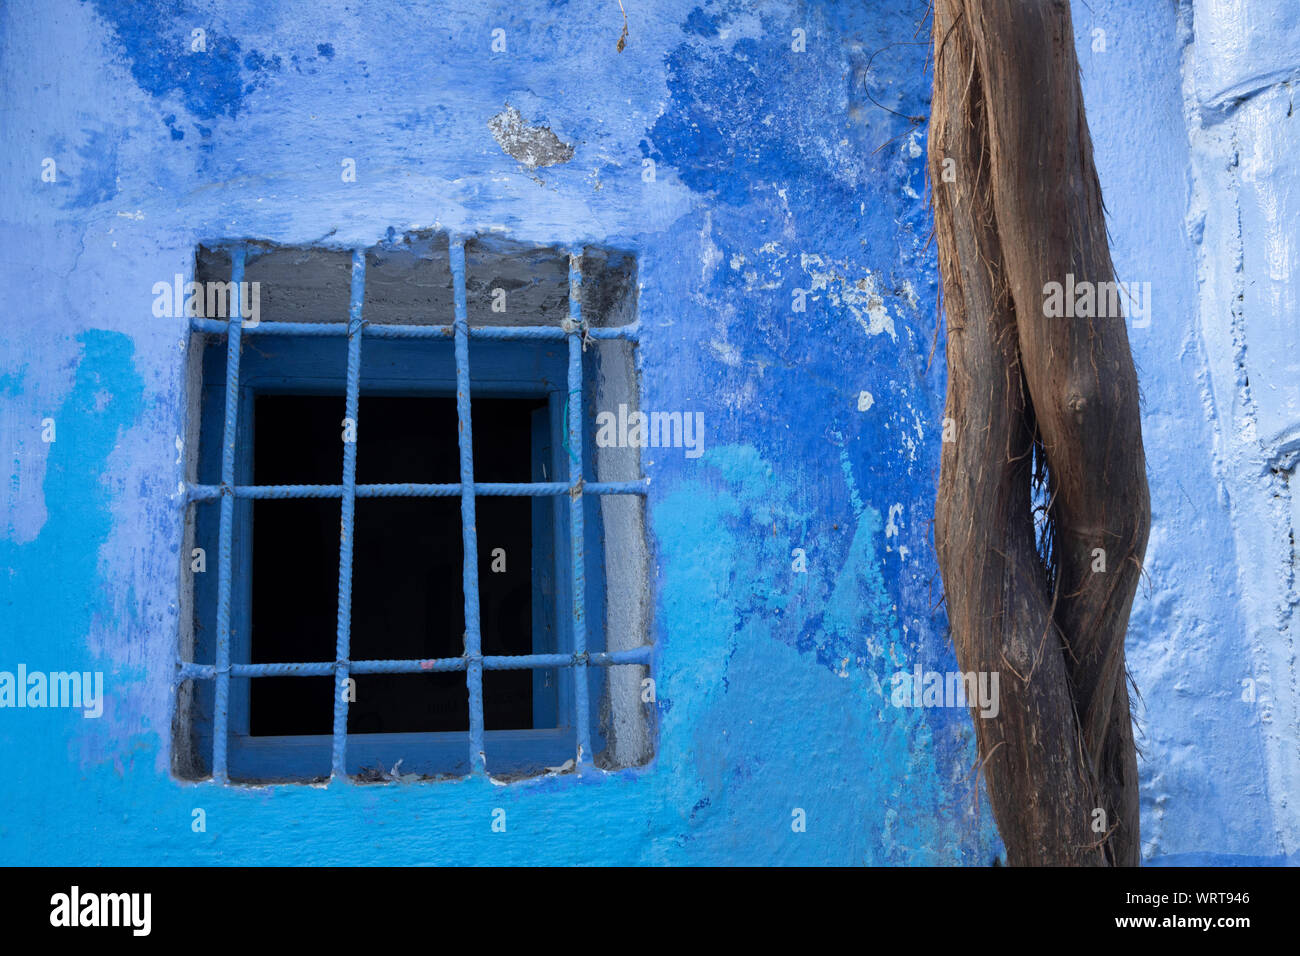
1035,397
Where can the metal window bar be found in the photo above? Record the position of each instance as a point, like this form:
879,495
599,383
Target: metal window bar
338,767
473,662
579,576
230,430
473,639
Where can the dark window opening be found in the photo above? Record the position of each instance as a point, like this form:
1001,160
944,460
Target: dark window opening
407,587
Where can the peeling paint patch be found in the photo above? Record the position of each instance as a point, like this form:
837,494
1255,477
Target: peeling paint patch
726,352
710,254
891,529
533,146
859,296
909,293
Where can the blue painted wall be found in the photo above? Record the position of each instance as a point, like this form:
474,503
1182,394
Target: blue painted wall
776,170
1189,106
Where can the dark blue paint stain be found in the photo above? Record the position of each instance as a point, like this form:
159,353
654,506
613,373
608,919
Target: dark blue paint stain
810,638
324,49
729,133
713,130
257,63
729,126
156,38
701,24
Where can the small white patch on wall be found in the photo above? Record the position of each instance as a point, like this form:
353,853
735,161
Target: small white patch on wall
710,254
891,529
728,353
909,293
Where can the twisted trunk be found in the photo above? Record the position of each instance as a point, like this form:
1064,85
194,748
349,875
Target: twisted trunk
1035,395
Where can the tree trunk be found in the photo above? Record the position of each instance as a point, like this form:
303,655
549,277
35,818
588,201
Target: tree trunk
1035,399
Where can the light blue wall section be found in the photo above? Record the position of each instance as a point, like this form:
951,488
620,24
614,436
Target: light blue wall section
776,171
1197,194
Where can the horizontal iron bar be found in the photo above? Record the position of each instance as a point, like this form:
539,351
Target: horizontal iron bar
218,327
408,490
375,331
638,487
552,332
634,655
630,333
637,655
430,665
312,669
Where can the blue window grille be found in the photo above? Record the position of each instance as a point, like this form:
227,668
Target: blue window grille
222,724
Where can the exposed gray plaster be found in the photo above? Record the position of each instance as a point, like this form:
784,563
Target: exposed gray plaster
533,146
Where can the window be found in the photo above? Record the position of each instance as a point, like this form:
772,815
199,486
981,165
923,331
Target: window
405,553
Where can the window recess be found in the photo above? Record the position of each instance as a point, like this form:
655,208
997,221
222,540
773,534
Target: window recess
416,559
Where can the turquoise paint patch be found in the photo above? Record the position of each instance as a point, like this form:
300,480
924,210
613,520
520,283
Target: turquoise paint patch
765,725
105,398
51,588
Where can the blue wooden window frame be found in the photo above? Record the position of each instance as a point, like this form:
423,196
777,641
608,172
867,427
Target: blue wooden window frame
510,361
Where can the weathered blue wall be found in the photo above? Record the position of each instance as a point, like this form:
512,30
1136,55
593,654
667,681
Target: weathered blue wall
776,170
1189,106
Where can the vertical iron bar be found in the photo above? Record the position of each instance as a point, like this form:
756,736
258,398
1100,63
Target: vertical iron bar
473,639
229,440
343,648
575,331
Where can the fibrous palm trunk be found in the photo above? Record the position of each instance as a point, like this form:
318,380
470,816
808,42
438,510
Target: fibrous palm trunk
1035,397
